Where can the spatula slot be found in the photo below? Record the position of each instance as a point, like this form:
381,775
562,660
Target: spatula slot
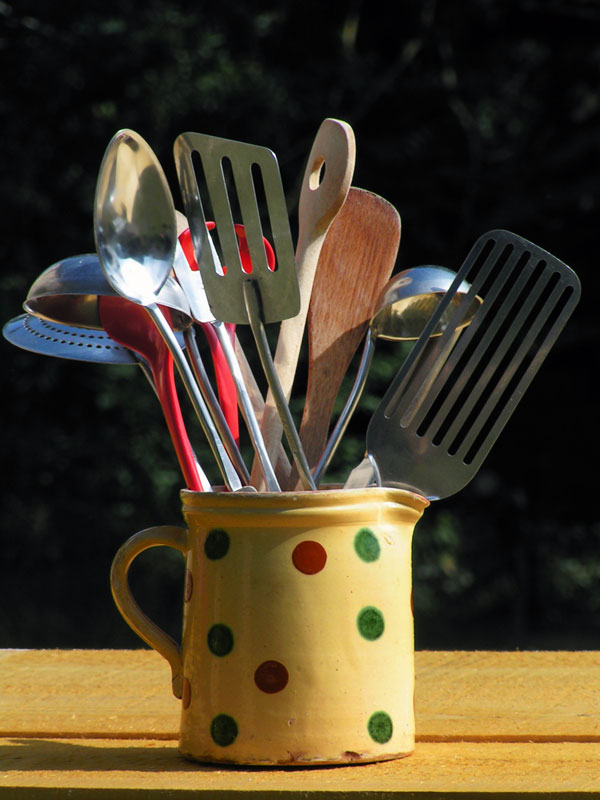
486,350
484,399
241,180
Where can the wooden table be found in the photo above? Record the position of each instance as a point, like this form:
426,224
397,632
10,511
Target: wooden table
85,722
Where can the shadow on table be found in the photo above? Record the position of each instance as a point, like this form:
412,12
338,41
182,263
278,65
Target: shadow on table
31,755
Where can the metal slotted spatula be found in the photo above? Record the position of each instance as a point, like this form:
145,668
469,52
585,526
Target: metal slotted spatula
448,403
262,295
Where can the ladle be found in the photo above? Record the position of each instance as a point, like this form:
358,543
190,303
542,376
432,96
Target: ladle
406,303
67,293
136,235
130,325
75,343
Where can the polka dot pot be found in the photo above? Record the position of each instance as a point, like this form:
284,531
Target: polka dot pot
297,643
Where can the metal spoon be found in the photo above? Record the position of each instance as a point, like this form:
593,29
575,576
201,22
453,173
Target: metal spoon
136,235
407,301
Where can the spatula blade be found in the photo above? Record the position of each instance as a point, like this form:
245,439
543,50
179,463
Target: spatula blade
250,165
452,397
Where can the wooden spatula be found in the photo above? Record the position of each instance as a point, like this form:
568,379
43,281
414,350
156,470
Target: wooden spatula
356,260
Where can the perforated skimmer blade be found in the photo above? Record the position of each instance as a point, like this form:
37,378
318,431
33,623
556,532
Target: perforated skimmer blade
452,397
279,294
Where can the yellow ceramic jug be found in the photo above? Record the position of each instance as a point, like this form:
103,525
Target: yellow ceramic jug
297,643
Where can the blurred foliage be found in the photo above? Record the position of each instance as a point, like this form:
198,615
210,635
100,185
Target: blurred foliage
468,116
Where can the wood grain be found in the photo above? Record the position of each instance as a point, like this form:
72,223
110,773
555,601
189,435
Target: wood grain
104,723
356,261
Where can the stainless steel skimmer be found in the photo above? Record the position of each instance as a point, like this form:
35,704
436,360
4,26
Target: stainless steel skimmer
447,405
236,296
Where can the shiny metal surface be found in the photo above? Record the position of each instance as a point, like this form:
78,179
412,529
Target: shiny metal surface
67,293
409,299
65,341
136,237
407,302
431,436
134,219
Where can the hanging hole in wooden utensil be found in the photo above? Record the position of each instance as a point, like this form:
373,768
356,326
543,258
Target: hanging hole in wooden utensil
317,174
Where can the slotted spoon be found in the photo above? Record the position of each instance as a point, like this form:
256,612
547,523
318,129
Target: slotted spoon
431,436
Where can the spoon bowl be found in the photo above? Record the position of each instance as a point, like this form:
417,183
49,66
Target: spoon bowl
134,219
67,292
409,299
136,238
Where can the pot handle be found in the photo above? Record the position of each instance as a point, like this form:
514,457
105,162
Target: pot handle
165,535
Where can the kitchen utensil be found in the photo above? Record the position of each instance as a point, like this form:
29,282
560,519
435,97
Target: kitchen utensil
325,186
67,293
130,325
356,260
65,341
74,343
136,234
185,276
186,270
236,296
432,437
219,334
406,304
246,377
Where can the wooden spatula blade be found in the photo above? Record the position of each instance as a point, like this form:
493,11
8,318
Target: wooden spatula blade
356,260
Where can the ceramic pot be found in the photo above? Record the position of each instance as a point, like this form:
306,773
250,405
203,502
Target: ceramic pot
297,643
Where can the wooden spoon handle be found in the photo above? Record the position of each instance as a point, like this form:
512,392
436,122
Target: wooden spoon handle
325,185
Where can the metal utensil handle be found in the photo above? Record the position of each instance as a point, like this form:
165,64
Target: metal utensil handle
254,316
213,404
247,407
348,410
230,476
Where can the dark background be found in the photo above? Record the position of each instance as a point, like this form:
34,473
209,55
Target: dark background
468,116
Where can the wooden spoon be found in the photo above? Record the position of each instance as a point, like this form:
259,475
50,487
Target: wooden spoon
356,261
325,185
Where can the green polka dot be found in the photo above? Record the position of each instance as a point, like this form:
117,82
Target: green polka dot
366,545
380,727
216,544
220,640
223,730
370,623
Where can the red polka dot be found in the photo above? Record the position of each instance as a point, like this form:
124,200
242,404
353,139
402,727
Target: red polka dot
309,557
271,677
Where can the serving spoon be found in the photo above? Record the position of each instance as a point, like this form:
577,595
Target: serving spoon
136,235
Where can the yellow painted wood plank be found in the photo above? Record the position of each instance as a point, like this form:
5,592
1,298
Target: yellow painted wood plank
541,696
98,693
508,696
435,769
